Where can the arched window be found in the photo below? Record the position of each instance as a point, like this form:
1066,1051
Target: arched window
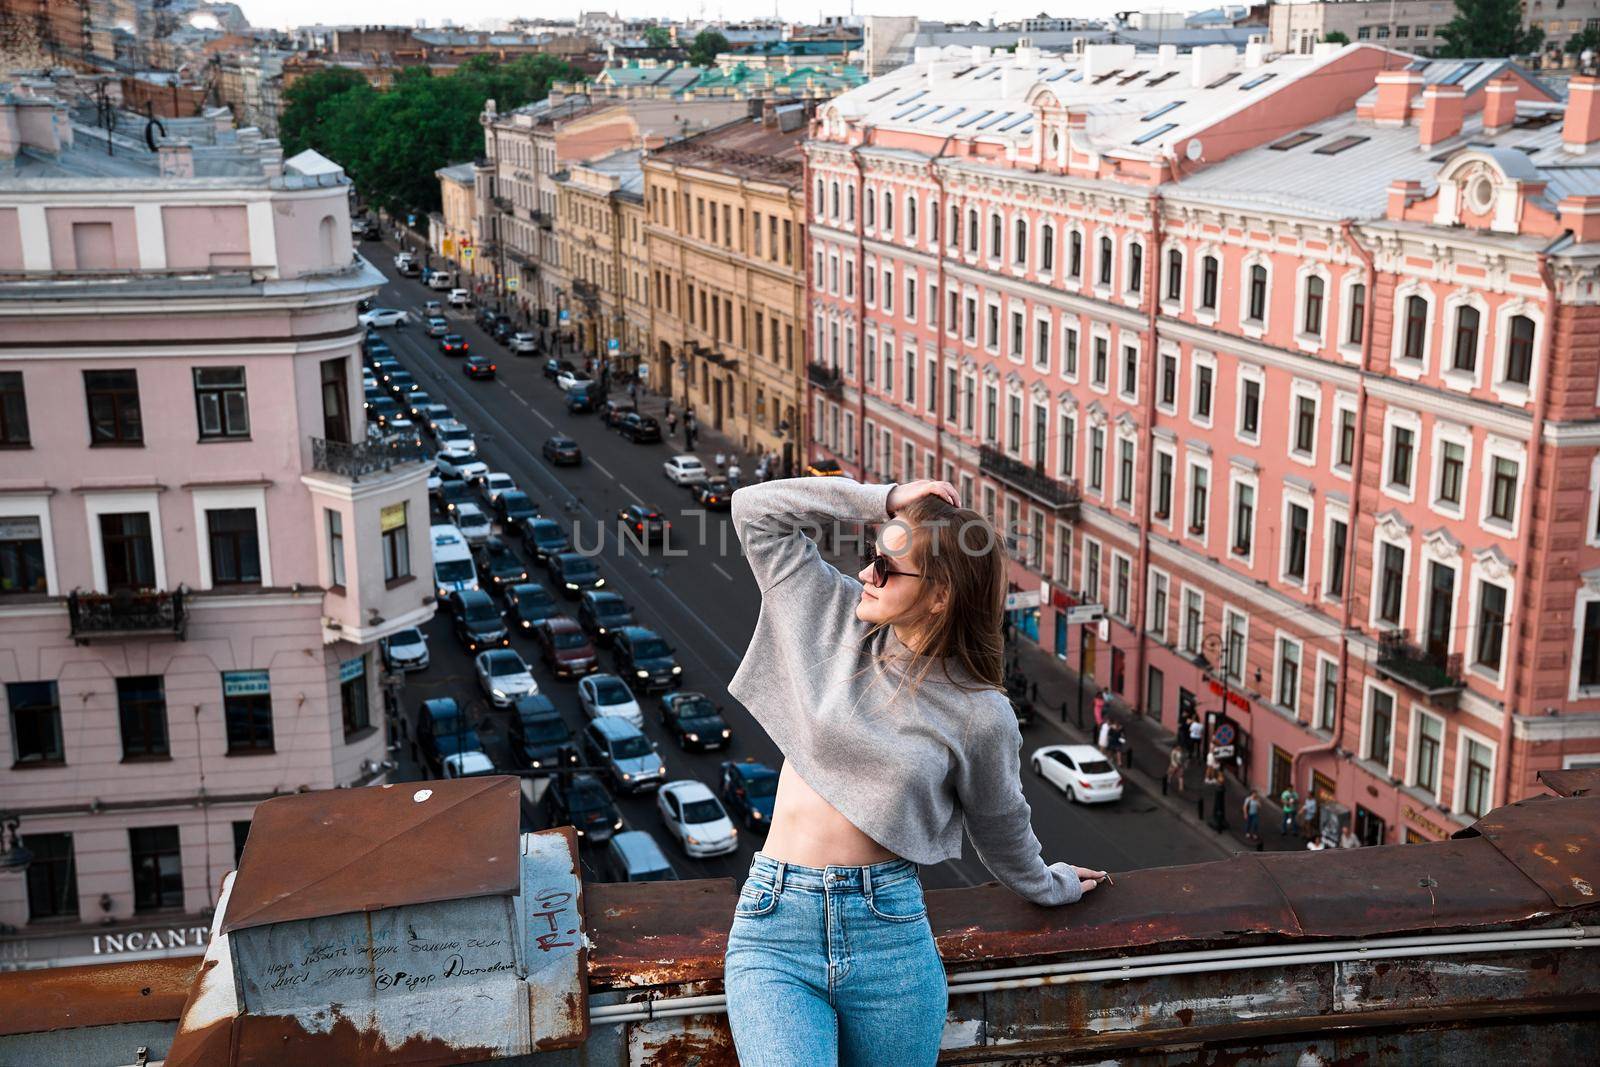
888,210
327,237
1019,251
972,230
1106,250
849,203
1315,291
1464,351
911,216
1415,332
1047,248
1257,310
997,237
869,202
833,199
1519,351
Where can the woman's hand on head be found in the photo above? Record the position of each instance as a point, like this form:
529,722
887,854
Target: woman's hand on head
906,492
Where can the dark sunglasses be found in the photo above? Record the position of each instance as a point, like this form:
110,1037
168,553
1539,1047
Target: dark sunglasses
881,571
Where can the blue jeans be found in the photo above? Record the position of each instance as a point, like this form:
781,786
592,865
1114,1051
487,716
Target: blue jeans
833,965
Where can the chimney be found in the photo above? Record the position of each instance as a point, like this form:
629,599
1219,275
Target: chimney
1395,90
1582,126
1499,104
1581,215
176,159
1443,108
1255,51
1401,193
769,114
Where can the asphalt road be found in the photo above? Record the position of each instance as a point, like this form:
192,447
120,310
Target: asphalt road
698,594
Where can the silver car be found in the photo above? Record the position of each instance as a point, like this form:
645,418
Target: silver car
473,523
406,650
504,676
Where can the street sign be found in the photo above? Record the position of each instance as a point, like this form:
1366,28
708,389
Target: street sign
1223,735
612,345
1103,628
1083,613
1018,601
411,220
565,314
466,253
511,284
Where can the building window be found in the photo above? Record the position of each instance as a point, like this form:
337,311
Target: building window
1100,372
1106,253
221,403
1338,535
13,411
1135,267
1125,473
1249,407
113,397
1288,675
157,868
1069,352
1041,344
52,877
235,546
142,709
396,542
1174,275
1312,324
1379,725
1476,790
1193,620
1041,433
1296,544
1414,334
1121,585
1017,336
1019,244
1244,518
1305,425
1356,323
247,710
1047,248
1503,490
1328,697
1197,500
1168,396
1075,254
335,547
22,555
1164,476
1491,625
1391,582
1430,743
1209,268
35,723
1452,466
129,551
1129,385
1097,458
1258,293
1235,633
1400,458
1202,391
1347,437
1519,351
1091,569
1464,353
1158,604
353,696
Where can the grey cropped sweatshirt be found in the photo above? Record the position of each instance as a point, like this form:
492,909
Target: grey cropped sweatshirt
908,772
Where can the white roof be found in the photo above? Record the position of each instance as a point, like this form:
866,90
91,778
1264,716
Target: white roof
311,162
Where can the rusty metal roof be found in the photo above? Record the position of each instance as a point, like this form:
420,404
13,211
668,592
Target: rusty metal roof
1571,783
1554,841
646,933
379,847
96,994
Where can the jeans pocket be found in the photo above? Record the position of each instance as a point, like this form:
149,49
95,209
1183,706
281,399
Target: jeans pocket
755,900
901,902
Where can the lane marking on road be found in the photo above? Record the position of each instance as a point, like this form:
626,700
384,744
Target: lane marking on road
722,572
524,402
630,492
596,465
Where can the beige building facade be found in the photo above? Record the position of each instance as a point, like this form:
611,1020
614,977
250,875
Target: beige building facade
590,235
1412,25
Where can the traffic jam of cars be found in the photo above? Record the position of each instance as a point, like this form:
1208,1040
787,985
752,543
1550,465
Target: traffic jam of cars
540,625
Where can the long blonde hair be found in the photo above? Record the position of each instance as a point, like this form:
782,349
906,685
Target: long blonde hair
959,554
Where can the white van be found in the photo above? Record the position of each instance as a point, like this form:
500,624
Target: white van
442,279
453,567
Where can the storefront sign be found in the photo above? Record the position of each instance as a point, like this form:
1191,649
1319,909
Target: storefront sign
1018,601
63,950
1413,814
19,529
246,683
392,517
1238,700
352,669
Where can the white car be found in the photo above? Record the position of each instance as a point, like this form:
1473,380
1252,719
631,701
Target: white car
435,481
465,467
473,523
378,318
504,676
459,298
695,817
463,764
571,379
523,343
437,326
1082,772
684,469
606,694
455,440
493,483
406,650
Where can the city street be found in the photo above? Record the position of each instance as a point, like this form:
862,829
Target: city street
697,594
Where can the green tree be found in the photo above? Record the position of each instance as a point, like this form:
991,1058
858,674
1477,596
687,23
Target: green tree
1588,40
706,46
1487,29
658,36
1336,37
304,122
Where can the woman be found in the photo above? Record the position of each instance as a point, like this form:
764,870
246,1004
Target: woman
885,694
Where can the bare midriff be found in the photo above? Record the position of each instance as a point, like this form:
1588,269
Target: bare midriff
809,831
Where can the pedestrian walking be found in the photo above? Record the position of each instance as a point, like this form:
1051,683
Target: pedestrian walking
1219,787
1196,735
672,423
1176,762
733,473
673,418
1288,800
1308,815
1252,816
1099,707
722,461
1119,745
1103,738
633,392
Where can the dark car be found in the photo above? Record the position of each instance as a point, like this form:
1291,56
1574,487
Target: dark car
384,410
611,411
573,572
644,659
383,365
644,524
544,537
373,344
582,802
371,393
640,429
414,404
478,623
539,737
453,492
601,613
513,506
565,648
747,789
504,328
498,565
528,604
562,449
443,730
453,344
486,317
553,367
583,399
694,722
716,494
402,382
478,367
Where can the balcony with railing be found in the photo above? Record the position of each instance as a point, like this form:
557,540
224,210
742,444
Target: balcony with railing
1059,496
356,459
125,614
826,378
1436,675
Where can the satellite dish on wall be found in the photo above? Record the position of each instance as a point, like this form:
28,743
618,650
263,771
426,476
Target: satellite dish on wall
1193,150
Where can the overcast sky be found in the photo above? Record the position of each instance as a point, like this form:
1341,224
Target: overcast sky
464,12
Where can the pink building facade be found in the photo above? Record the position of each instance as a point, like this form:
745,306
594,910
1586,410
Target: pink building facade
1259,352
199,544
